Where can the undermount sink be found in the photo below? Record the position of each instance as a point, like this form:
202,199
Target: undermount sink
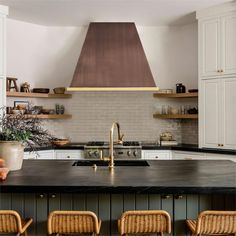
117,163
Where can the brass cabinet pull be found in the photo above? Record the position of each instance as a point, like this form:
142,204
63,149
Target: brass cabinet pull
178,196
165,196
218,71
221,70
218,145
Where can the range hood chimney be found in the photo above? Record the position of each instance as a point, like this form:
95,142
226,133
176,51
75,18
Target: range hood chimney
112,59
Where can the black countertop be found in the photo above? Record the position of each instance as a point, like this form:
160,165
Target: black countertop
145,146
189,148
160,177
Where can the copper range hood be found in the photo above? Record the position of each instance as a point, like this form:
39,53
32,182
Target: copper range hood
112,59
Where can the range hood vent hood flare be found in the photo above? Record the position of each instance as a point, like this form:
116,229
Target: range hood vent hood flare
112,59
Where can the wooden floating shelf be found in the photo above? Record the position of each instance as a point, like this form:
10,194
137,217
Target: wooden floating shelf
175,95
44,116
177,116
38,95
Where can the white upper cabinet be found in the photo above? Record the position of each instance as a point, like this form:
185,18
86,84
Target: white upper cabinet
217,41
2,43
209,53
218,113
3,13
228,62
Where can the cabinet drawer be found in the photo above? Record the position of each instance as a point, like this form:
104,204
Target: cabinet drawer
156,155
68,154
177,155
45,155
30,155
213,156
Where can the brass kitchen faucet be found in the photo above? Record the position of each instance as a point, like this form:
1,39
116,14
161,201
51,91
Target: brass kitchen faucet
111,145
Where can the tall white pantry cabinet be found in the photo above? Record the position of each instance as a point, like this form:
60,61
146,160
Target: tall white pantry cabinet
3,14
217,76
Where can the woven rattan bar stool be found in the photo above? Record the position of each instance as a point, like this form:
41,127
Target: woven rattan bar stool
144,222
213,223
12,223
73,222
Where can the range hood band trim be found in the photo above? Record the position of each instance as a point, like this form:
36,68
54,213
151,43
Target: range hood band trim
76,89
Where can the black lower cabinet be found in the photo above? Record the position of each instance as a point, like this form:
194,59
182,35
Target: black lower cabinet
109,207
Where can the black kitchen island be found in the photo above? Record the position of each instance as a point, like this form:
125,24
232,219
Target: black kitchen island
183,188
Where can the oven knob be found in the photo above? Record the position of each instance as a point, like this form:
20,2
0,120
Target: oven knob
129,153
135,153
96,153
90,153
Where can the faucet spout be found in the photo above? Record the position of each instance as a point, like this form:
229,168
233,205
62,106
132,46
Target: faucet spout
111,145
120,141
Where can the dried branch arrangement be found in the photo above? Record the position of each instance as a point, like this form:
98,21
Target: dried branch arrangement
18,128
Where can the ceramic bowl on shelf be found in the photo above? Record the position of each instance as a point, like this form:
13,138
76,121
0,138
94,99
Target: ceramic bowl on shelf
59,90
60,142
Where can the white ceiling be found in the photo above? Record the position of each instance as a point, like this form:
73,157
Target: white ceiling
81,12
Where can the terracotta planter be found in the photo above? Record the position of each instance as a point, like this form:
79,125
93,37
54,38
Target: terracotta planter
12,152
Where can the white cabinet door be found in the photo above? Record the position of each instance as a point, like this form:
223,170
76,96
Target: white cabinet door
229,113
210,113
2,45
2,59
181,155
156,154
209,47
228,63
69,154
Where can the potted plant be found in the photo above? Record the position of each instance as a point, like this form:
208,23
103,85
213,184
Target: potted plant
17,132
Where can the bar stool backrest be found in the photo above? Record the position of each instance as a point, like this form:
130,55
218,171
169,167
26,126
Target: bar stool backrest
66,222
151,221
10,221
216,222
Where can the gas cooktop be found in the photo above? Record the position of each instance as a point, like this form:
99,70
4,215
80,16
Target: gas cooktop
102,143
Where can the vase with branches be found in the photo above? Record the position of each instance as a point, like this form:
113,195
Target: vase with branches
16,132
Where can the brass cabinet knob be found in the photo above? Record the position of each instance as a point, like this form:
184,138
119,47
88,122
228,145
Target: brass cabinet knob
53,196
218,71
221,70
218,145
41,195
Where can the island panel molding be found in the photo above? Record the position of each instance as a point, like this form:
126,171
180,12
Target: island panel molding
109,207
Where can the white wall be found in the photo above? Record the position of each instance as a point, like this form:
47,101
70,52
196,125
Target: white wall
43,56
47,56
